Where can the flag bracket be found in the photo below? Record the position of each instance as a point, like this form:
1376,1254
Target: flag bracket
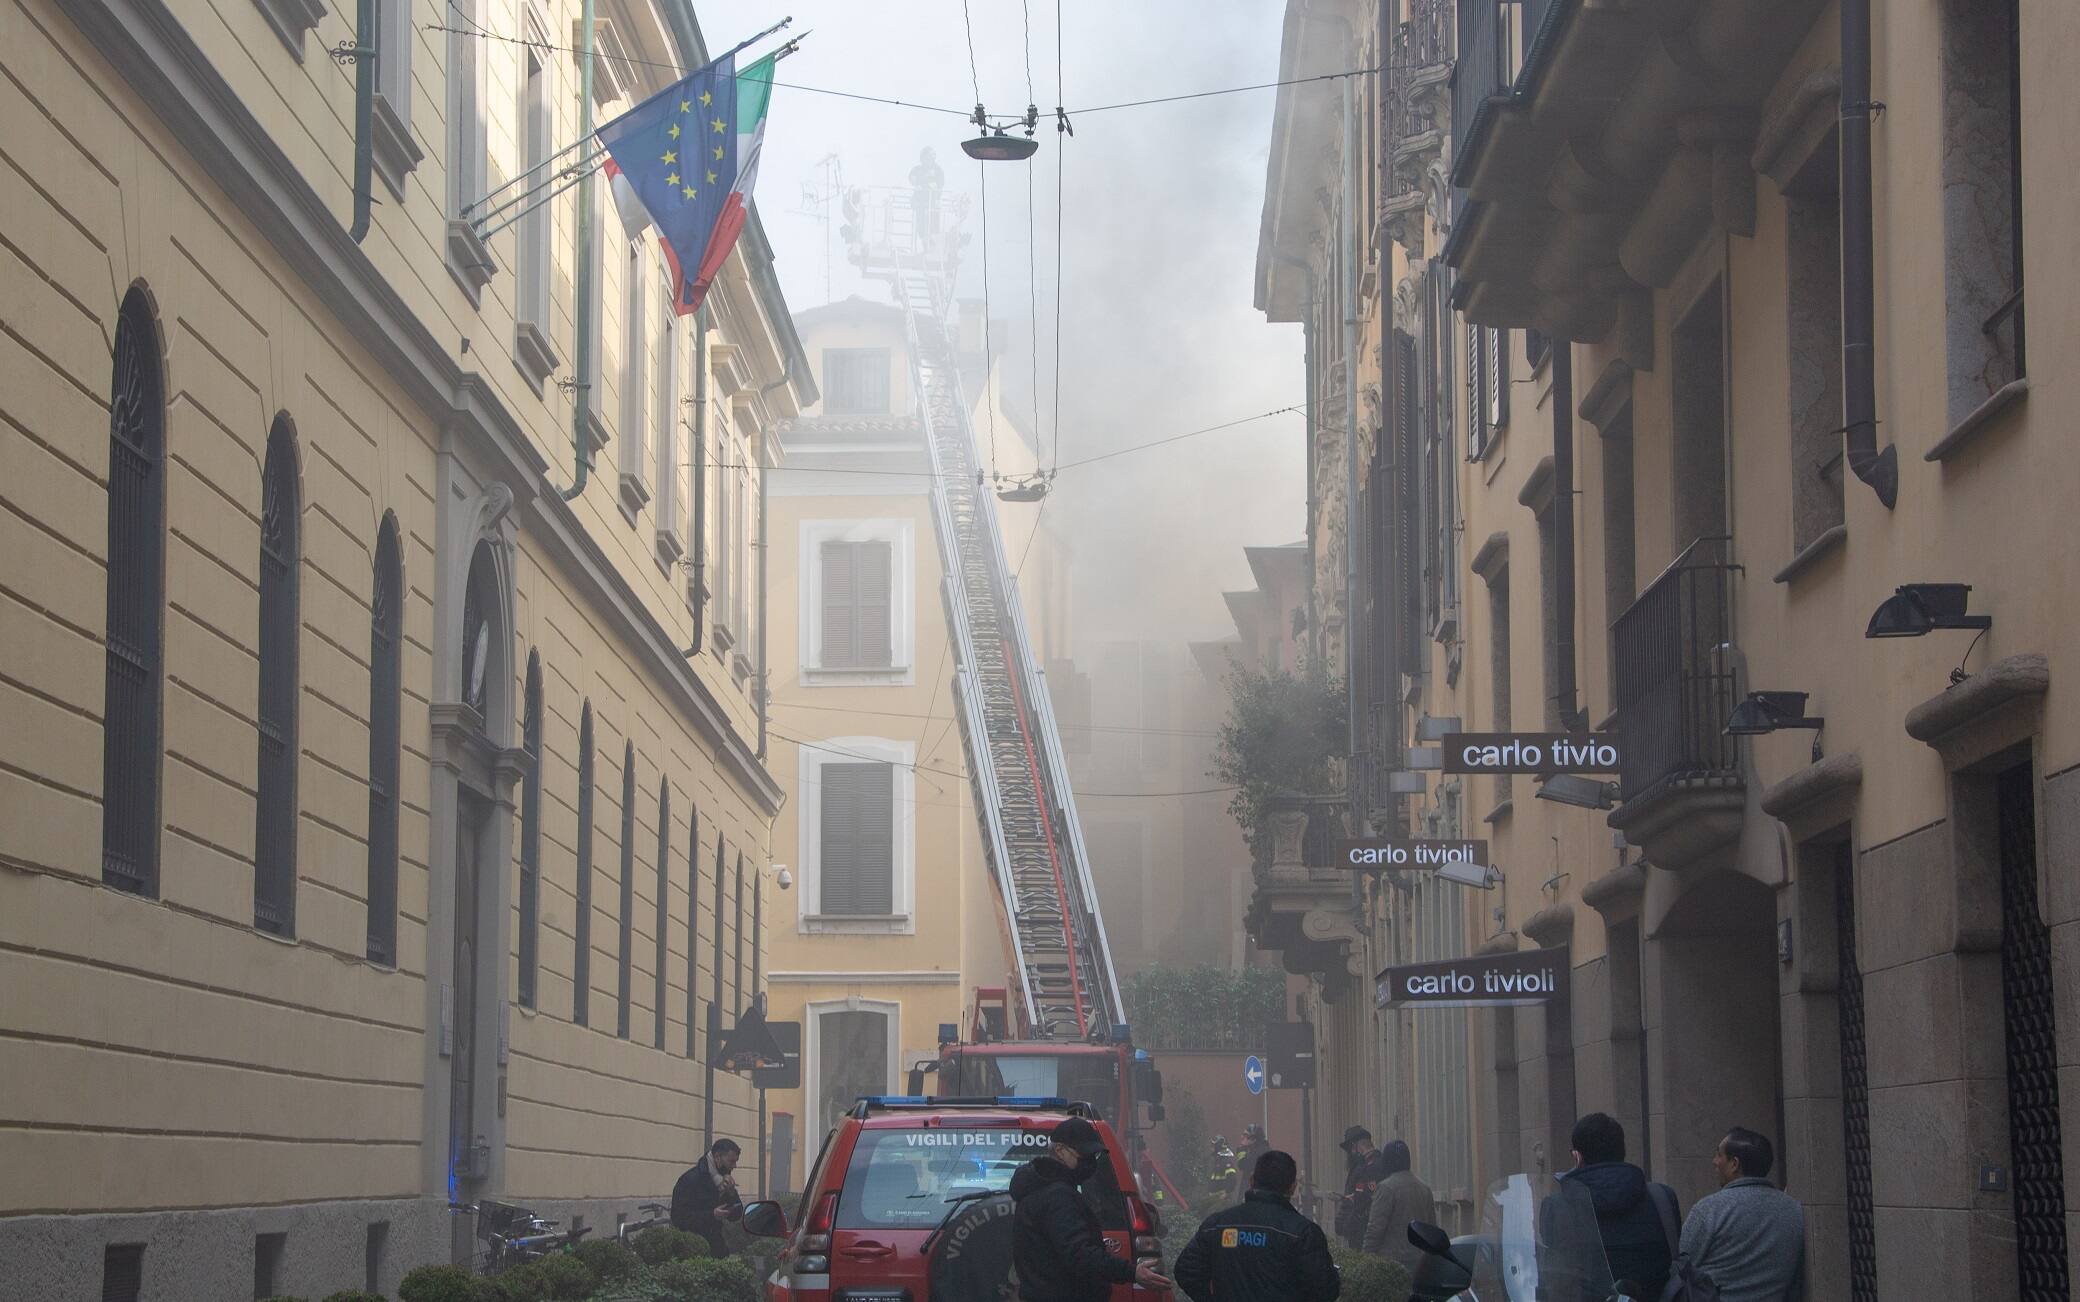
347,52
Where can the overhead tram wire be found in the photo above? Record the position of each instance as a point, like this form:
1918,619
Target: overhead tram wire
974,72
989,365
1061,156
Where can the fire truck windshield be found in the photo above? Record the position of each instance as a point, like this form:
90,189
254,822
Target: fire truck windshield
1091,1078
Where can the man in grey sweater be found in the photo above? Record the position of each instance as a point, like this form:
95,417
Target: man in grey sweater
1750,1237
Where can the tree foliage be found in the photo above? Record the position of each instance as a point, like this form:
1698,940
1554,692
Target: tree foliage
1203,1007
1282,732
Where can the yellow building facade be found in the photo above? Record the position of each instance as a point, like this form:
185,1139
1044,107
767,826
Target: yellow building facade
385,803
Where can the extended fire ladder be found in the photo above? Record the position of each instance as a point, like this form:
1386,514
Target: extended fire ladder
1027,811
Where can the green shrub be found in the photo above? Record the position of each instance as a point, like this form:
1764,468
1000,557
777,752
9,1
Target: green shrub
726,1279
528,1283
609,1259
284,1297
661,1243
570,1280
444,1284
1367,1278
636,1288
354,1295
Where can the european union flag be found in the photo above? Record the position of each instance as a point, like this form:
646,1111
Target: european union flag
690,154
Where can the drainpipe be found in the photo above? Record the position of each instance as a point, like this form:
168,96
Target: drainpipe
580,433
1563,686
1351,524
1878,468
765,481
364,55
1308,344
700,480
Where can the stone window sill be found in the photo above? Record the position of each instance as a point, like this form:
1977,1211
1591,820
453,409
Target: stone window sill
740,668
1501,812
670,547
635,495
2000,400
469,260
535,354
723,638
878,676
825,924
1829,541
290,19
396,154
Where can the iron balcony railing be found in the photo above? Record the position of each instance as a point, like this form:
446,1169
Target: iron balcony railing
1675,676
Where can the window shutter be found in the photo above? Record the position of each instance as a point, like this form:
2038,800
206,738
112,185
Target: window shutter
1498,379
1476,393
874,565
840,606
858,851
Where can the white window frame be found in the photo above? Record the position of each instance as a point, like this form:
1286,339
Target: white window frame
635,382
468,161
535,233
809,761
902,634
671,539
812,1049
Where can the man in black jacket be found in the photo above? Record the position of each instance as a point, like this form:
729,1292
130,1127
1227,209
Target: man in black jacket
1057,1242
1367,1169
1629,1220
1263,1250
706,1196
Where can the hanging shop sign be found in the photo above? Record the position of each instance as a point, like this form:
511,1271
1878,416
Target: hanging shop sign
1370,854
1543,754
1531,976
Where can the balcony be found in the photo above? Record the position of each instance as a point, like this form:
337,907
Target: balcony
1624,140
1304,906
1680,791
1418,99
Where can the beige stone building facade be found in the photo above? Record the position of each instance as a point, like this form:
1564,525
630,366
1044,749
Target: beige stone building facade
1688,358
385,813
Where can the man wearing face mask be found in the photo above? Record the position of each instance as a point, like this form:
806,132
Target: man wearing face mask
1057,1241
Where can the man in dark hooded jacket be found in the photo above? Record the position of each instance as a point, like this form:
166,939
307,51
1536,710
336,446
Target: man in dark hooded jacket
1057,1242
1629,1215
1263,1250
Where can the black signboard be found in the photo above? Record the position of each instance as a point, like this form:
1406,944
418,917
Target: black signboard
1289,1054
750,1046
1370,854
1541,753
1530,976
788,1035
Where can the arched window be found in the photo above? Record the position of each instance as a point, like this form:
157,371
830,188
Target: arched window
628,884
385,684
136,603
664,893
274,819
737,928
693,927
581,964
531,832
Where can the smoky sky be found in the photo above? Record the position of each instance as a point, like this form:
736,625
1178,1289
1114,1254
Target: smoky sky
1159,216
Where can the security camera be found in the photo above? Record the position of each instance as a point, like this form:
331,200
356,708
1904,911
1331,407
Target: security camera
786,878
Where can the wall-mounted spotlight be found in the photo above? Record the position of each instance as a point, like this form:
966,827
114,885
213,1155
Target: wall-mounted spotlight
1581,792
1766,712
1482,877
1917,608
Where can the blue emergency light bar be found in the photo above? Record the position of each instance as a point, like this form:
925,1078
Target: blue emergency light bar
925,1101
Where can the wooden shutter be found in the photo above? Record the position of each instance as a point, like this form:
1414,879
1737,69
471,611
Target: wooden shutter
1476,392
858,839
1498,379
840,606
874,574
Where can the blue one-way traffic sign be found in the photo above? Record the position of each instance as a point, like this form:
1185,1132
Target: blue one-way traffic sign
1253,1074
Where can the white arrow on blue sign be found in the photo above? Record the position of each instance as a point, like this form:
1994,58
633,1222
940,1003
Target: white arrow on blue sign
1253,1074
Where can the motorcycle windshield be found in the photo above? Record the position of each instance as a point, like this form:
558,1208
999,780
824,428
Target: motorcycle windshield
1540,1243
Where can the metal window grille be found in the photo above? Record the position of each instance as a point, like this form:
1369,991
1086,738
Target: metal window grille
2034,1132
122,1272
856,868
581,963
274,833
136,604
531,836
626,975
1856,1103
664,896
737,971
385,706
693,927
1674,688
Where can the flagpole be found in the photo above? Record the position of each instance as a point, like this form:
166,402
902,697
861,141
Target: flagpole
586,138
569,176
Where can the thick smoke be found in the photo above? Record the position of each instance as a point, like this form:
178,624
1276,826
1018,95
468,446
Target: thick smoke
1161,203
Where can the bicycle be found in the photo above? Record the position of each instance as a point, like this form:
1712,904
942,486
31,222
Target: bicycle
654,1214
515,1235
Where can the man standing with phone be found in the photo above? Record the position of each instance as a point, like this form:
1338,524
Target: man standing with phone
1057,1241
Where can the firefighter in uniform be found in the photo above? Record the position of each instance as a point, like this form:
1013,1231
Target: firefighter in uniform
1220,1172
1263,1250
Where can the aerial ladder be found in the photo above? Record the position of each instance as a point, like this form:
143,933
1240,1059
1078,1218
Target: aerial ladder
1064,985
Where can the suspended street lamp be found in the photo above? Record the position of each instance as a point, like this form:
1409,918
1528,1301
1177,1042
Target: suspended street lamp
996,145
